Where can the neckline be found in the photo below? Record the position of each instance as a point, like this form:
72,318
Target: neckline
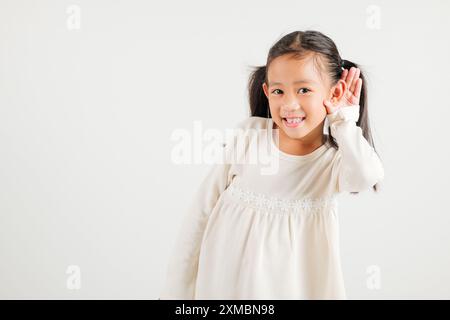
312,155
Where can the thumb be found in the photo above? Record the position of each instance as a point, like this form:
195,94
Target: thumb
328,106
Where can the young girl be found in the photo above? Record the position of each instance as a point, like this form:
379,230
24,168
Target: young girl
249,235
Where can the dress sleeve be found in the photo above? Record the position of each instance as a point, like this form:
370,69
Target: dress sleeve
182,268
357,165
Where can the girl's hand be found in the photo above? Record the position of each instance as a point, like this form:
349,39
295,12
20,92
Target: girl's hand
352,92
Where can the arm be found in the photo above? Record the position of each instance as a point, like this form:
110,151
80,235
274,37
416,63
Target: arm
357,165
183,264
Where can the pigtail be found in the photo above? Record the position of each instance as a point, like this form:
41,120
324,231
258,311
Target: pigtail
259,104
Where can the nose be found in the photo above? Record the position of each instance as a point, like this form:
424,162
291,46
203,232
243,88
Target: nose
292,107
291,104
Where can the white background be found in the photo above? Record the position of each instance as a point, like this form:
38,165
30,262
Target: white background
86,117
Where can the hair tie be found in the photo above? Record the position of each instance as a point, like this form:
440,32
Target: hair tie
342,63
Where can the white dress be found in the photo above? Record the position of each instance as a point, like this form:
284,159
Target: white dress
249,235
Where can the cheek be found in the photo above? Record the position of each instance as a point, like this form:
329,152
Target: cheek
315,109
274,108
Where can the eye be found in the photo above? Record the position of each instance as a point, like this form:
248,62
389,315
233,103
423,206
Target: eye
276,90
305,90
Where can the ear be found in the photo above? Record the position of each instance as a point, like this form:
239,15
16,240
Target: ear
337,92
265,89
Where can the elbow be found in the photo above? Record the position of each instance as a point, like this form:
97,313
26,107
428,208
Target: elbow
361,180
376,173
370,177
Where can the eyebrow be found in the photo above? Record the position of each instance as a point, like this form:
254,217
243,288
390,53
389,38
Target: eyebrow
295,82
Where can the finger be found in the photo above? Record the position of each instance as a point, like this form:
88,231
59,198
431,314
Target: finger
344,74
351,74
355,80
358,88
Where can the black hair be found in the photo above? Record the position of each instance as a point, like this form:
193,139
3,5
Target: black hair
299,44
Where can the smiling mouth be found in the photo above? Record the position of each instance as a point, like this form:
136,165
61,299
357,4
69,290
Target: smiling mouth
292,119
293,122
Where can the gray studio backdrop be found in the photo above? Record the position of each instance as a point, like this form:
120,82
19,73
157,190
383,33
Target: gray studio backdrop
91,92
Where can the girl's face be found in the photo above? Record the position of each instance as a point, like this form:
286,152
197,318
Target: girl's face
297,89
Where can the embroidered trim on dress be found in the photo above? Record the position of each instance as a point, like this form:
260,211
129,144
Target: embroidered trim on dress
263,202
